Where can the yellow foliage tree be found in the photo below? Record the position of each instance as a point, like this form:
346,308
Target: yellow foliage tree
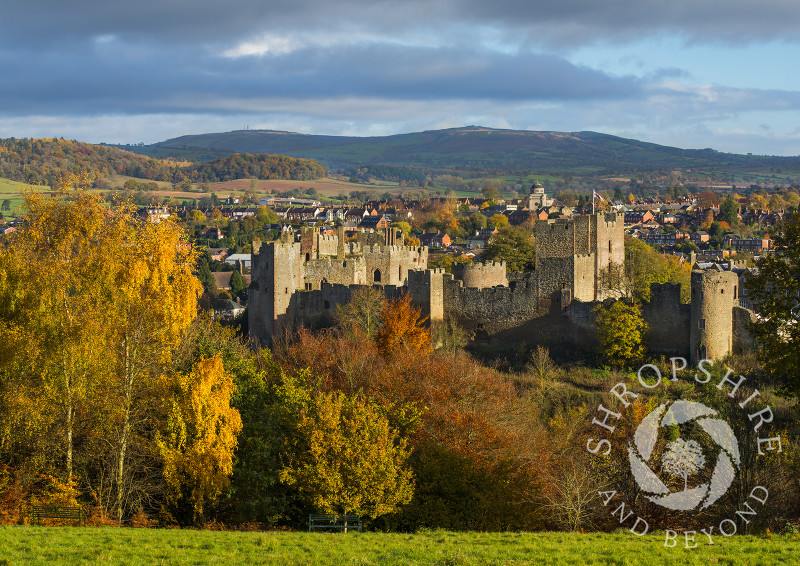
346,457
93,300
620,333
200,436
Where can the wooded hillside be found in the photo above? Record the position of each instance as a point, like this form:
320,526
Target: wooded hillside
44,161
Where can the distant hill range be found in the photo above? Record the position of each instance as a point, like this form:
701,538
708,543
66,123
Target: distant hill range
43,161
480,149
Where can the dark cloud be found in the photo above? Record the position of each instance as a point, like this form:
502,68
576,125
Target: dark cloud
562,22
108,79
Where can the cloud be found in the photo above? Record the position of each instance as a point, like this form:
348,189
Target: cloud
562,23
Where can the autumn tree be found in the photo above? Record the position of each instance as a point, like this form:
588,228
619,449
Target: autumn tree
346,457
402,328
620,333
776,291
93,299
199,439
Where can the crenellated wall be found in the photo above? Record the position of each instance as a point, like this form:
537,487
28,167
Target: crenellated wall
300,283
481,275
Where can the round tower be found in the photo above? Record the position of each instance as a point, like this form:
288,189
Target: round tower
711,325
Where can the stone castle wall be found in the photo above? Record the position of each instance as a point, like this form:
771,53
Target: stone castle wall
553,304
711,324
667,320
480,276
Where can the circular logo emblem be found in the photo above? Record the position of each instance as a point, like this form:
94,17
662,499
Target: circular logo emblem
656,455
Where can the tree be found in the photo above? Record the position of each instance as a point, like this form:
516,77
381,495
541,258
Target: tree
346,458
490,192
402,328
6,205
513,245
620,333
200,437
404,227
729,210
196,216
645,266
682,459
362,314
237,283
498,221
99,298
775,289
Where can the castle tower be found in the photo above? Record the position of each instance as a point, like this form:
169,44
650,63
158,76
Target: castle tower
714,295
276,275
573,256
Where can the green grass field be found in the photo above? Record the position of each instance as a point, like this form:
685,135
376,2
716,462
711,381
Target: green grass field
70,545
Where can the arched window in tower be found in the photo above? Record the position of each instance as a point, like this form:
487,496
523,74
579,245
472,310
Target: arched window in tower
308,257
376,276
400,272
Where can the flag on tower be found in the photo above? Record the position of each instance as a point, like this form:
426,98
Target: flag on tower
598,196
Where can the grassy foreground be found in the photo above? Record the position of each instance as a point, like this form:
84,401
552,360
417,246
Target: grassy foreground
70,545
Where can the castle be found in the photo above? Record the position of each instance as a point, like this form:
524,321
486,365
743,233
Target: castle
301,282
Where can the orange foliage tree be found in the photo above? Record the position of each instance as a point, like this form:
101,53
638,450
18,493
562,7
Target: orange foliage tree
402,328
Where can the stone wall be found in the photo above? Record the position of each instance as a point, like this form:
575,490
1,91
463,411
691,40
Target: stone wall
742,339
350,271
667,320
711,325
491,309
481,275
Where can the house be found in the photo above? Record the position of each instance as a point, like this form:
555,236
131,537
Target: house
234,260
751,245
218,254
374,222
700,237
211,233
223,279
638,216
301,213
479,239
436,240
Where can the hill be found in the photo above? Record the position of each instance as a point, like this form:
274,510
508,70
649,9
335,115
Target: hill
43,161
483,150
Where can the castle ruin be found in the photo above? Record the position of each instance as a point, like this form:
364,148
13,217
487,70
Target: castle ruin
300,283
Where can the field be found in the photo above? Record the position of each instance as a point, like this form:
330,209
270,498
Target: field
69,545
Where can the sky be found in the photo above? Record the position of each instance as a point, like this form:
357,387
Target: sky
685,73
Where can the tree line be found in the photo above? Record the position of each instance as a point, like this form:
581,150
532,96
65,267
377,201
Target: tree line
49,161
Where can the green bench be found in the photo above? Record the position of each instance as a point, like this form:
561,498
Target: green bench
334,523
39,512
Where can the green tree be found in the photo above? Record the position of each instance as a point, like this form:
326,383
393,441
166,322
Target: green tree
729,210
362,314
346,458
498,221
515,246
490,192
237,283
478,221
620,333
6,205
776,291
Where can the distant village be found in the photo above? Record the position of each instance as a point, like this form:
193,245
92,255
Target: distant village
709,231
693,227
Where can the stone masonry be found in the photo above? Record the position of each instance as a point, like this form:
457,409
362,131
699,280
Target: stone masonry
300,282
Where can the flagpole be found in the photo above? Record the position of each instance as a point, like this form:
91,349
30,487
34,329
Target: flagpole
593,193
